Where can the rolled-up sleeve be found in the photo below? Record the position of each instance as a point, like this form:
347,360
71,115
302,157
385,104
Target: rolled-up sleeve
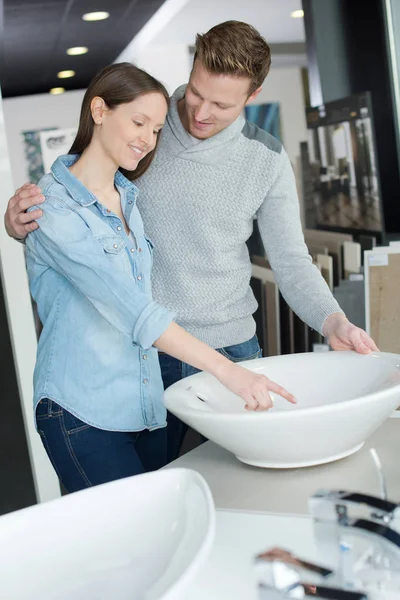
65,243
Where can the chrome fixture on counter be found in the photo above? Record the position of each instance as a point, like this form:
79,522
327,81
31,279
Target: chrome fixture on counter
283,575
357,536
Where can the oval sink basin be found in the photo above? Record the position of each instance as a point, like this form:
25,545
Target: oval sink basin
343,398
139,538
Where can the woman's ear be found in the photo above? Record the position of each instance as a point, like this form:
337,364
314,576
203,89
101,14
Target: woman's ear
97,108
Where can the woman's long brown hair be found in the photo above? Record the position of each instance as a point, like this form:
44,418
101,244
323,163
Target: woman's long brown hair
116,84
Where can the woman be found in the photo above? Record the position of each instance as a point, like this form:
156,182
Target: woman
97,386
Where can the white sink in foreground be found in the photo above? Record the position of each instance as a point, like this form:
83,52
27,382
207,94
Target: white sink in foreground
343,398
140,538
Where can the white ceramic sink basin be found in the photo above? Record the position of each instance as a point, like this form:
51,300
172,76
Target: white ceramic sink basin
140,538
343,398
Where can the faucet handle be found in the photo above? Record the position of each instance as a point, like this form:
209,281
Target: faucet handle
280,571
333,505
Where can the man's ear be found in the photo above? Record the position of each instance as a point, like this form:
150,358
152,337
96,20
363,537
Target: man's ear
254,94
98,108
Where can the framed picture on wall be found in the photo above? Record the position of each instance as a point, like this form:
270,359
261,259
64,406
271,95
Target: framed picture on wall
43,146
55,143
341,169
33,154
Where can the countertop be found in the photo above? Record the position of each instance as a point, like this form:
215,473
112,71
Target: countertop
236,486
228,573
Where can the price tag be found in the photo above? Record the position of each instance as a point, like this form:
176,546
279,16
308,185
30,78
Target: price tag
378,260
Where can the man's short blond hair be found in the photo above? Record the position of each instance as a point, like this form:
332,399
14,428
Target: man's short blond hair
234,48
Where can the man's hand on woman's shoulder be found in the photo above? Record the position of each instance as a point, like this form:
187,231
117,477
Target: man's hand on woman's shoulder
17,221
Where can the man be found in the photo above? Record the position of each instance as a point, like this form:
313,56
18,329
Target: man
213,174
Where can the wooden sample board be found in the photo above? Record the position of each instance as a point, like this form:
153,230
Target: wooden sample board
367,242
333,241
270,338
272,324
316,249
325,263
282,331
351,258
382,297
260,261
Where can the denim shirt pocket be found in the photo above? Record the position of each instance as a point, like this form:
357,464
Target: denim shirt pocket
115,248
111,244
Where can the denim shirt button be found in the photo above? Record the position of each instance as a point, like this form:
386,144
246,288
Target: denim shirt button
119,228
115,246
145,381
144,356
139,277
130,202
132,250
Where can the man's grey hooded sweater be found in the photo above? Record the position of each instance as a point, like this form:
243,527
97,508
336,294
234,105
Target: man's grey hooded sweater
198,200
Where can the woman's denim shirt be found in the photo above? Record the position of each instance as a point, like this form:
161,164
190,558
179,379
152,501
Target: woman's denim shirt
91,283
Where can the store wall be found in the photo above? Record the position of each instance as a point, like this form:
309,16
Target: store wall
36,112
284,85
361,65
170,64
25,471
392,21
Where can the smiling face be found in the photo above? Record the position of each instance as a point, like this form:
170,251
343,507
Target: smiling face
213,102
129,131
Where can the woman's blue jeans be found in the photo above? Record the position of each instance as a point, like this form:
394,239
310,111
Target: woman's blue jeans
84,456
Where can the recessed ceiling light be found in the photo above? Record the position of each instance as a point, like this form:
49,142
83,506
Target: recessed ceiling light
96,16
59,90
77,50
297,14
65,74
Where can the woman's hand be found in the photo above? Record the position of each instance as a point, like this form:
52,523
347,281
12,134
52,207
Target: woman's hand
253,388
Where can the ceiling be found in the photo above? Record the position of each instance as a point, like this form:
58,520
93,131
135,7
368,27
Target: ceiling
37,33
271,18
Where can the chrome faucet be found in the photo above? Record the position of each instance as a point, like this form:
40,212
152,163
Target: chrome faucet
354,534
357,536
282,575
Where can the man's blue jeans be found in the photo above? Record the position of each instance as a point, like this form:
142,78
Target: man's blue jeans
173,370
84,456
